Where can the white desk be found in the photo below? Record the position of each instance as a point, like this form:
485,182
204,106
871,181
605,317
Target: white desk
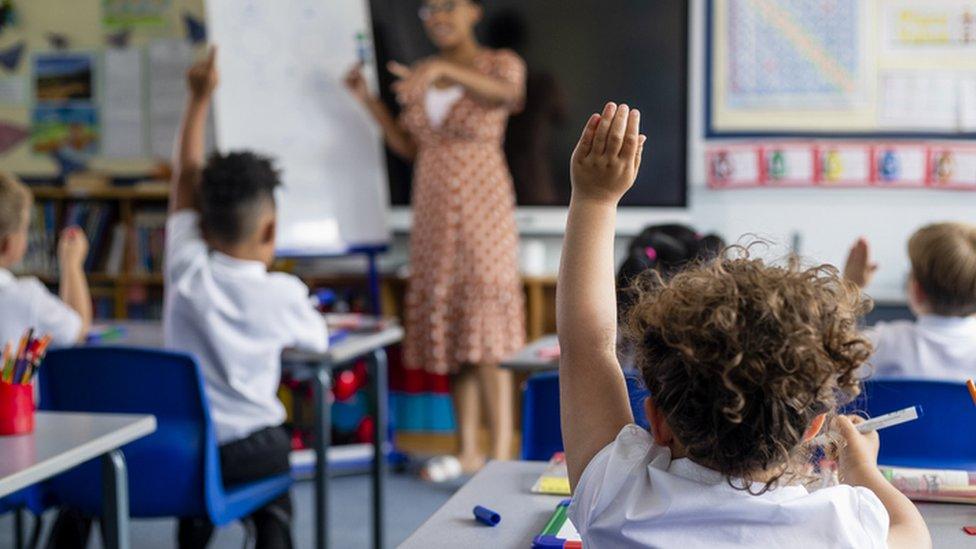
62,440
505,487
528,359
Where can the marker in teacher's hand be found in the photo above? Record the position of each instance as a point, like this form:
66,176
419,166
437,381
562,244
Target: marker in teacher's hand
881,422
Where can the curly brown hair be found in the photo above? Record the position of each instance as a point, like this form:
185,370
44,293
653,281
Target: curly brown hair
741,357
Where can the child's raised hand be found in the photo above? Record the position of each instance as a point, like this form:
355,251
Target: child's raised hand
72,247
608,155
859,268
859,455
202,78
356,83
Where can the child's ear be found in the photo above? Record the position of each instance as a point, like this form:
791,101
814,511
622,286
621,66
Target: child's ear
815,426
660,429
6,241
268,231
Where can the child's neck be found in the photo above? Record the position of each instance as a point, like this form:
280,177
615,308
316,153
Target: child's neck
243,252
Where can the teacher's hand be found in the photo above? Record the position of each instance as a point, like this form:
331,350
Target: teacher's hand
422,75
356,83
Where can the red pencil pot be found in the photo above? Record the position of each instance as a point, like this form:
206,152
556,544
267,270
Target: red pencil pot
16,409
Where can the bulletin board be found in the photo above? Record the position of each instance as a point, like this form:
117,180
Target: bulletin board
842,93
94,82
861,68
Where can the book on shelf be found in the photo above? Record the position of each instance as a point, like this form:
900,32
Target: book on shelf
147,242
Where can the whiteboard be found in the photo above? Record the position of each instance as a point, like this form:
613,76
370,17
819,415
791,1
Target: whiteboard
281,94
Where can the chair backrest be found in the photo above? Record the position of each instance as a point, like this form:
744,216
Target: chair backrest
172,472
941,439
542,435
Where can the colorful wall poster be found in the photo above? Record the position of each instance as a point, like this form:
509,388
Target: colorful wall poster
844,164
953,167
789,164
135,13
734,166
898,165
65,128
63,77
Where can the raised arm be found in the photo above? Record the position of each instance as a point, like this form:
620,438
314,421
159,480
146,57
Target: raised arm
397,138
593,393
72,251
188,156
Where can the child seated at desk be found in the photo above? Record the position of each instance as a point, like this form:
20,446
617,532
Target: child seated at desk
26,302
225,308
941,288
744,362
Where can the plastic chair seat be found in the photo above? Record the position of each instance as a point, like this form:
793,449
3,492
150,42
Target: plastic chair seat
242,500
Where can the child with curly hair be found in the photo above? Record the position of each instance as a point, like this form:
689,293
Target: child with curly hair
744,362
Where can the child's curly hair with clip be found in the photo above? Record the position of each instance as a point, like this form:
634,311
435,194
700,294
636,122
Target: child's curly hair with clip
742,356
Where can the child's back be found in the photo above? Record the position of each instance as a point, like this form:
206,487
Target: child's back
25,302
743,362
236,318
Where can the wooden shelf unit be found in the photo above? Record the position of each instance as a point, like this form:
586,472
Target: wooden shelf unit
128,200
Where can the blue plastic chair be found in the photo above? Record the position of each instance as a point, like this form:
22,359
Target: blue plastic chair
941,439
541,432
174,472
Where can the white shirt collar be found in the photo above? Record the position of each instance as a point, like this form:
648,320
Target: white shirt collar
6,277
243,266
948,322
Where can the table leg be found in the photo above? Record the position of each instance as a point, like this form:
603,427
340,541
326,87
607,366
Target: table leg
115,501
380,434
19,528
323,432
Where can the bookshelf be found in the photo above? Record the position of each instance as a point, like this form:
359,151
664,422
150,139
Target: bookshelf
124,225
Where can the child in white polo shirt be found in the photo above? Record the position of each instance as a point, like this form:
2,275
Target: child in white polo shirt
26,302
743,361
225,308
941,343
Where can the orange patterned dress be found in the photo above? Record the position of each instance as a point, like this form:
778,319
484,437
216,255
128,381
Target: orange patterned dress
464,302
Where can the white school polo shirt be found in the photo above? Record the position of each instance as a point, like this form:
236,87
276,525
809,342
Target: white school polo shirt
236,318
933,347
27,303
632,494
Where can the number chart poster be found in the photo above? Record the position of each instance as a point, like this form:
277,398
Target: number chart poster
841,67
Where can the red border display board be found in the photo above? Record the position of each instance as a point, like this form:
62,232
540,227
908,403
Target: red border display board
839,164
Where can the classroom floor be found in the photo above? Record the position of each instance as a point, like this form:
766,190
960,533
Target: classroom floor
409,502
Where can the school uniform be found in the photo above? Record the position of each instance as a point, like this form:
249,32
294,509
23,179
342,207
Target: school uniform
933,347
27,303
236,318
632,494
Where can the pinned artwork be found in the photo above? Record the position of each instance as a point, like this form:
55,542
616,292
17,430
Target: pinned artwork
898,165
10,57
953,167
119,39
789,165
844,164
196,30
734,166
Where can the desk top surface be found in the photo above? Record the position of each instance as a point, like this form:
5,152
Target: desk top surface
62,440
528,359
505,488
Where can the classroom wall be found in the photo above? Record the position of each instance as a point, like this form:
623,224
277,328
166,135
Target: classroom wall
80,21
826,220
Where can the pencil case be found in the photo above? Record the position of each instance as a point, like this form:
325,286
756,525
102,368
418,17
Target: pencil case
16,409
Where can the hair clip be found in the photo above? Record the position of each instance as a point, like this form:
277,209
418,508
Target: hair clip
651,253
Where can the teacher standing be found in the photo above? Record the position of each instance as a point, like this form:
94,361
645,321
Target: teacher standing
464,304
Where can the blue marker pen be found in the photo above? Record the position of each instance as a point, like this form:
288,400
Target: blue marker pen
486,516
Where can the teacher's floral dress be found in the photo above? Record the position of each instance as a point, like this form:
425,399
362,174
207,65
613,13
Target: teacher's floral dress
464,302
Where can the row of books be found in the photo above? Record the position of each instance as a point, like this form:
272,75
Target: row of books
107,236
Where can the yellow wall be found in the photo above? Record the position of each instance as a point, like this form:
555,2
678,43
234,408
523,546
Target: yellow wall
81,22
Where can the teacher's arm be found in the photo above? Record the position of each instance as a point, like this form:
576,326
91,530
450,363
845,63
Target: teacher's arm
397,138
489,88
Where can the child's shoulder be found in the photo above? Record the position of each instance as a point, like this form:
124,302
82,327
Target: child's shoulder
288,286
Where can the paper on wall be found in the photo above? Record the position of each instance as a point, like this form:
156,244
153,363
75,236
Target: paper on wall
168,63
13,90
123,118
